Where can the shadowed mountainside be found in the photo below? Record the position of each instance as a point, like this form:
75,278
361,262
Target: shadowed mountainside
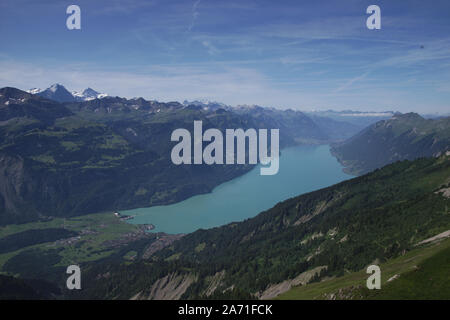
404,136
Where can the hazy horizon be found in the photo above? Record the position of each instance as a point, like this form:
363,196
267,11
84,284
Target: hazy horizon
366,112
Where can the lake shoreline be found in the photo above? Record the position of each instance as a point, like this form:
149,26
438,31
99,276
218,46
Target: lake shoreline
302,169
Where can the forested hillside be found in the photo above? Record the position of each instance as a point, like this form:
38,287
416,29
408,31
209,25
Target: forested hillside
325,233
65,159
404,136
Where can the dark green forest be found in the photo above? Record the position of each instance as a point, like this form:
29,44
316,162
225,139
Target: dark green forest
344,227
403,137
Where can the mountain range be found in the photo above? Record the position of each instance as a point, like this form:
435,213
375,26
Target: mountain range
404,136
113,153
337,125
63,160
318,236
58,92
312,246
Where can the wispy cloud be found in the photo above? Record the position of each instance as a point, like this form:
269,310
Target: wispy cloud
165,83
231,85
423,52
330,28
212,50
350,82
195,14
124,7
301,53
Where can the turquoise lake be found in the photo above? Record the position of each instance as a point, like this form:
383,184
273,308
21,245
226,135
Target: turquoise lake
302,169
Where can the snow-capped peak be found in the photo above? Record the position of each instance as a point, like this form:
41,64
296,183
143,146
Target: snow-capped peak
56,86
89,94
203,102
34,90
59,93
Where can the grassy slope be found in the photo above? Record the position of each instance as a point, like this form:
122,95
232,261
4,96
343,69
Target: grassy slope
424,274
346,227
396,205
102,227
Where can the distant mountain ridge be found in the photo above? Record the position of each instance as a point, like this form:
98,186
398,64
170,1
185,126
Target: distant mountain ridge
359,119
334,125
89,94
339,125
58,92
404,136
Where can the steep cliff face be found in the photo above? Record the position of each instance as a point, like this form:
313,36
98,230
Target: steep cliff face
15,184
170,287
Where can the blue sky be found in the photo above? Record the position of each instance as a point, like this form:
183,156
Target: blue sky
286,54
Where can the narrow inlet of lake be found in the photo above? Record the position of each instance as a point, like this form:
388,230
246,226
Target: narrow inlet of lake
302,169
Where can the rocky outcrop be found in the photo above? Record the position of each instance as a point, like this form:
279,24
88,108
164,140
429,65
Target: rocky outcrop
170,287
276,289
